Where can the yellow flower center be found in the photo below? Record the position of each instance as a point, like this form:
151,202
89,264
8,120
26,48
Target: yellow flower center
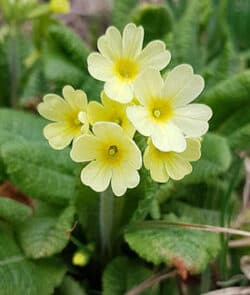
126,69
161,109
112,151
117,121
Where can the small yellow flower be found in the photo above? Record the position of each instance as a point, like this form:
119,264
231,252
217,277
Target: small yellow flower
114,158
165,113
121,60
59,6
165,165
69,116
110,111
80,258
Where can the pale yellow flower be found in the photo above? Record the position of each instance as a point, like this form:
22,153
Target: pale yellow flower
59,6
121,60
114,158
165,165
69,116
110,111
165,113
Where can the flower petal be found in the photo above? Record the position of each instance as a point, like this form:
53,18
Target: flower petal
193,150
139,117
77,99
53,108
154,55
132,40
99,67
177,167
167,137
191,127
157,169
195,111
123,178
84,148
106,130
148,85
119,90
97,176
110,45
95,112
58,134
182,86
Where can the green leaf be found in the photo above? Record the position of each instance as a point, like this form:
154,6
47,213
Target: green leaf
122,274
40,172
224,66
121,12
228,97
240,139
188,250
239,22
215,159
71,287
70,43
45,236
13,211
184,40
59,68
33,84
20,275
23,126
155,19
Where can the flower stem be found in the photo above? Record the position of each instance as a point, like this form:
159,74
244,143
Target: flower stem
106,221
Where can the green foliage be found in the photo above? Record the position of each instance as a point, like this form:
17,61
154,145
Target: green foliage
42,237
17,124
188,250
215,159
228,97
121,12
184,39
13,211
71,287
20,275
122,274
59,69
240,139
70,44
156,21
40,172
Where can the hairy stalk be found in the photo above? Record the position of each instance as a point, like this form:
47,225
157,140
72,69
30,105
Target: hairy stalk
155,279
106,221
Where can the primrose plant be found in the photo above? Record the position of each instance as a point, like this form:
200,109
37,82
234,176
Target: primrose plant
136,98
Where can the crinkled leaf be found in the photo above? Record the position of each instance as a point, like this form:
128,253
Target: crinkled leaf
184,40
228,97
188,250
45,236
122,274
40,172
21,125
20,275
13,211
70,43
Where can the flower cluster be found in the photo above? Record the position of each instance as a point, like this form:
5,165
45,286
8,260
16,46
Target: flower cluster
135,98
